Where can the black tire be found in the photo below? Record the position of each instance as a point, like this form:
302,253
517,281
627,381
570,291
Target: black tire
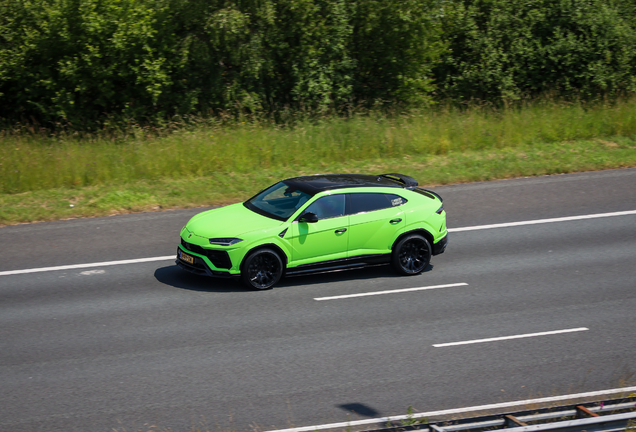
262,269
411,255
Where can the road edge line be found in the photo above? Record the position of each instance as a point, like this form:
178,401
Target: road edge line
457,410
473,228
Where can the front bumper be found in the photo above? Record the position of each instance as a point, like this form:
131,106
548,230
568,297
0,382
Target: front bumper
199,266
440,246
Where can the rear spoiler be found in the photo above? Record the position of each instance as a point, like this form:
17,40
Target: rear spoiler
408,182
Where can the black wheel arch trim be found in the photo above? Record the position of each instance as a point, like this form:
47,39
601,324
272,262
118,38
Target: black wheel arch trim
281,254
427,235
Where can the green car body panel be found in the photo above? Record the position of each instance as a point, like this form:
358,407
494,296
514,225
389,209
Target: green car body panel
218,241
216,223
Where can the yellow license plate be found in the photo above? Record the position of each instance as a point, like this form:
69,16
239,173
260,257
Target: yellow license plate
187,258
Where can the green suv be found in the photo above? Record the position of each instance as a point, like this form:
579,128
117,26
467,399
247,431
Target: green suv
316,224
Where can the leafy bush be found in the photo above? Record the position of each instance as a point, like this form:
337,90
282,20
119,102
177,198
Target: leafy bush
78,60
87,61
507,49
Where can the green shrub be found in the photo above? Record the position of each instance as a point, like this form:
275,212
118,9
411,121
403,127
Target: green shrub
79,60
89,62
507,49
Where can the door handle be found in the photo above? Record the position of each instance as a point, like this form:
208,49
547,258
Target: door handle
340,231
394,221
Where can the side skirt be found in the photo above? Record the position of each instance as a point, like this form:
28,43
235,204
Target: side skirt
340,265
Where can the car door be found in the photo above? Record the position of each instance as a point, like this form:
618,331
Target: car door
375,221
325,239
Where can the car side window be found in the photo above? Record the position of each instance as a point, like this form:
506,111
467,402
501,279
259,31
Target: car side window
366,202
328,206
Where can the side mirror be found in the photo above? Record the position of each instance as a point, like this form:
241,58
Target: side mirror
308,217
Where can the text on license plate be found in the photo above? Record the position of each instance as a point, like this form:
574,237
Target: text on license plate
187,258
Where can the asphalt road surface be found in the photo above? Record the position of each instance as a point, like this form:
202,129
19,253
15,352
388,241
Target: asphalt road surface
130,346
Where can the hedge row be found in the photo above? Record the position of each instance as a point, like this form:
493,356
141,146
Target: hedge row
86,61
507,49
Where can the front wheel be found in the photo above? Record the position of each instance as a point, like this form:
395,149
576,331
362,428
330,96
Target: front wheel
411,255
262,269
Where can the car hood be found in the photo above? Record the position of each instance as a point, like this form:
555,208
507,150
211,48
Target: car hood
230,221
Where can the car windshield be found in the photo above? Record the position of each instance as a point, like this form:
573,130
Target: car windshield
277,202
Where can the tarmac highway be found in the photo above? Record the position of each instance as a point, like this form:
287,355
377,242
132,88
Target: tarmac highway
535,296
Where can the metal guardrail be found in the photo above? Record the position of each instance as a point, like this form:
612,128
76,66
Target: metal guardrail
608,416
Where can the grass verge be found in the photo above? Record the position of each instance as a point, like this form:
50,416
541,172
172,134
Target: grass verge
534,159
206,162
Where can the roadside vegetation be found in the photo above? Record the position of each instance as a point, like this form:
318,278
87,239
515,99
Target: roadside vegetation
109,107
205,162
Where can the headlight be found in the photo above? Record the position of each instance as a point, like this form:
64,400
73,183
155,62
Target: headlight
225,241
440,210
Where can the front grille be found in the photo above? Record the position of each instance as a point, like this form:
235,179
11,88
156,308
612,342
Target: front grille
220,259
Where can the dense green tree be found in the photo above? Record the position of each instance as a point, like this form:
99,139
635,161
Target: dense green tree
75,60
83,61
505,49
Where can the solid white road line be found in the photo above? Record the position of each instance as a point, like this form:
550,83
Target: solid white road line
511,337
473,228
79,266
543,221
382,420
390,291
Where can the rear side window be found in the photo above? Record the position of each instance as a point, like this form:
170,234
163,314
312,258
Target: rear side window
366,202
396,200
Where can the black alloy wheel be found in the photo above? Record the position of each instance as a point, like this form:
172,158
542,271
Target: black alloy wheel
262,269
411,255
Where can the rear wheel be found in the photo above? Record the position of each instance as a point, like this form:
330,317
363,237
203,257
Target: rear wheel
262,269
411,255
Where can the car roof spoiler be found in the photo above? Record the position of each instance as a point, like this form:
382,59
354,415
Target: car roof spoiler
408,182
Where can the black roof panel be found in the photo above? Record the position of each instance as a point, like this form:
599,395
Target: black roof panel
322,182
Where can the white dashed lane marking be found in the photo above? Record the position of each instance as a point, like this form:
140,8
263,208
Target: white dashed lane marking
390,291
528,335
